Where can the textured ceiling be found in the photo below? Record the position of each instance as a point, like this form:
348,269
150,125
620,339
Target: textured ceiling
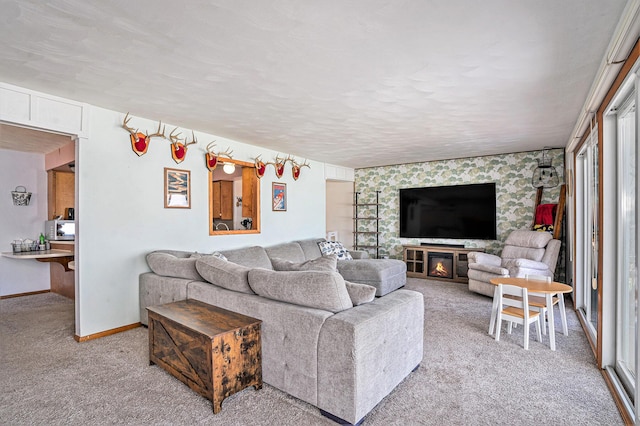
358,83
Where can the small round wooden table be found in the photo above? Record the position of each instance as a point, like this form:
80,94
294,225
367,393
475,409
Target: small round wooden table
549,289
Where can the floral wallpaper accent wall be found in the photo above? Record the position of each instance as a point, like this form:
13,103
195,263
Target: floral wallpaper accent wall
515,196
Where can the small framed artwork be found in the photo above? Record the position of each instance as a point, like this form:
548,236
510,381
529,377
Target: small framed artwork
177,189
279,196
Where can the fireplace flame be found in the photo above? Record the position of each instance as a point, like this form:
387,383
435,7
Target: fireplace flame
440,270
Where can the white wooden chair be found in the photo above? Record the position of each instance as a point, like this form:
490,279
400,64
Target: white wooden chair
516,310
537,302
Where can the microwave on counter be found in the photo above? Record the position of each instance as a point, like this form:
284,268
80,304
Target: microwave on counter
56,230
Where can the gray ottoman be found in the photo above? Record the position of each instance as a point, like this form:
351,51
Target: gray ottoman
385,275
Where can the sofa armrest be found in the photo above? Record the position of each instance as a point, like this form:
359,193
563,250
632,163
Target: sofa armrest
525,263
359,254
498,270
366,351
483,258
158,290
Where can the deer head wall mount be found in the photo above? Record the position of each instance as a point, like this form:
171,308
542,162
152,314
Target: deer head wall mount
261,167
140,141
295,168
178,148
211,157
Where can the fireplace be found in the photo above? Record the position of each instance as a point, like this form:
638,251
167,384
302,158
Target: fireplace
440,265
438,262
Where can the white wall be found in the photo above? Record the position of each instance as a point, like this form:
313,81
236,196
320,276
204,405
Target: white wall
121,215
340,210
25,169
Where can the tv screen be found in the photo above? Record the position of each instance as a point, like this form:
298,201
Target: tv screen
458,211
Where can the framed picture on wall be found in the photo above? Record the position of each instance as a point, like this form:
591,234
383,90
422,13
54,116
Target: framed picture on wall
279,196
177,189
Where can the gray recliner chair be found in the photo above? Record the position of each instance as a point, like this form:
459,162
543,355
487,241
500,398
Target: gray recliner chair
525,253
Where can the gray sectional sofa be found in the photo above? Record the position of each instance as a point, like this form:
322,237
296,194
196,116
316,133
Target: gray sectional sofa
325,340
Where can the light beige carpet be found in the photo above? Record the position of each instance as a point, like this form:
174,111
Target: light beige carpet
466,378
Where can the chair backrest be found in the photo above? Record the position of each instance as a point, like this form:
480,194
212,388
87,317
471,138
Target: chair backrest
525,244
519,299
543,278
532,245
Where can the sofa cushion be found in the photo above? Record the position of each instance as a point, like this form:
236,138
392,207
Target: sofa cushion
310,247
323,263
360,293
532,239
515,252
315,289
173,264
224,274
334,247
287,251
373,270
251,257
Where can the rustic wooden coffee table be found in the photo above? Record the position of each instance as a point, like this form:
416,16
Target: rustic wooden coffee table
213,351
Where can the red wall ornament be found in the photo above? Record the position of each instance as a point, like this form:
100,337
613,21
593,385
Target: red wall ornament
279,166
179,149
295,168
140,141
211,157
261,167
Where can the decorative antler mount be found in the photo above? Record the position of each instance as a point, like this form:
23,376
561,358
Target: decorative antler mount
295,168
279,164
178,148
211,157
140,141
261,167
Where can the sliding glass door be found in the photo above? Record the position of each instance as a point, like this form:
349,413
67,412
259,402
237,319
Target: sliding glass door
587,234
627,242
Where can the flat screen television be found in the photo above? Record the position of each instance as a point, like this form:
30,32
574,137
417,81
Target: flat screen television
458,211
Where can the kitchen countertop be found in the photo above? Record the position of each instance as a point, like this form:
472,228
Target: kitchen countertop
63,257
41,254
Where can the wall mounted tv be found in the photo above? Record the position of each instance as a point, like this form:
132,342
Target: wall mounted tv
458,211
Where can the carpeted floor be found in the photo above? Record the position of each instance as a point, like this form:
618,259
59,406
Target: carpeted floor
466,378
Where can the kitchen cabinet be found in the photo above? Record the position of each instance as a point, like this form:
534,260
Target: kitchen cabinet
222,199
250,187
61,193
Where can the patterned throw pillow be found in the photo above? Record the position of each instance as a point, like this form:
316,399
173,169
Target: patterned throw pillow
543,228
334,247
217,254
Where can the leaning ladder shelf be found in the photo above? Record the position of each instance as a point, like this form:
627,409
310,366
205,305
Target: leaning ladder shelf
365,218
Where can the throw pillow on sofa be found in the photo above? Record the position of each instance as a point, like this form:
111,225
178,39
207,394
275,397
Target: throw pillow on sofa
360,293
323,263
224,274
217,254
169,265
315,289
334,247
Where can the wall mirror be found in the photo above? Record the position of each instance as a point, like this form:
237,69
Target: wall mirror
234,198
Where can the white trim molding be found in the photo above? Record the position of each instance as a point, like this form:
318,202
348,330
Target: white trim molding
28,108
